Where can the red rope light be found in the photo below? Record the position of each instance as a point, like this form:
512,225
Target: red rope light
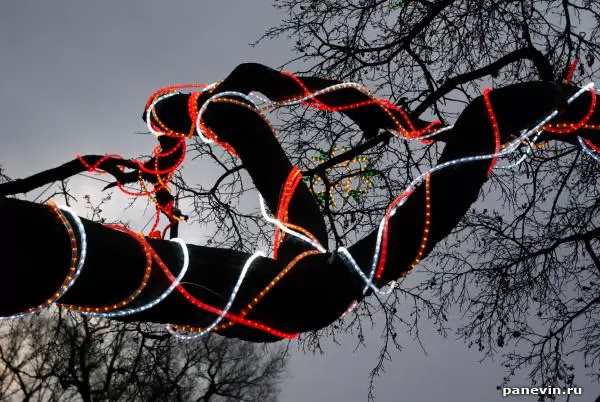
566,128
194,301
384,240
289,189
571,71
495,129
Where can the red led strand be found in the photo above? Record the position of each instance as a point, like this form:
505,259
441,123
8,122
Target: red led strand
191,299
586,126
164,232
94,167
193,107
496,130
571,127
156,219
593,146
384,103
313,101
289,189
213,137
571,71
384,238
158,154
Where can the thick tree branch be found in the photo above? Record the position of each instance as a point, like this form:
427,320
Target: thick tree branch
531,53
69,169
321,286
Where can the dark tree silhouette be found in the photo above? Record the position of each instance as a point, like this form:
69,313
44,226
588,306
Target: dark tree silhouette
299,313
67,357
320,288
523,263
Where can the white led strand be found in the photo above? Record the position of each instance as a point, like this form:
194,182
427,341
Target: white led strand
83,246
507,150
335,87
588,150
174,284
227,306
284,228
162,97
350,308
80,263
149,113
524,157
422,137
347,257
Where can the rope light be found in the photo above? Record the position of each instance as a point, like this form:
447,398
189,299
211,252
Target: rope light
164,170
77,259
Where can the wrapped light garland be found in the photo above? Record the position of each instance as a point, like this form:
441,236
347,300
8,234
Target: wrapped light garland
404,129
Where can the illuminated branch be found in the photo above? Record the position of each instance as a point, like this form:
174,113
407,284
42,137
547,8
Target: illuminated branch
306,287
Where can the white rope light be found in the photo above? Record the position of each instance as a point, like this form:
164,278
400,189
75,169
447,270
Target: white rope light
227,306
134,310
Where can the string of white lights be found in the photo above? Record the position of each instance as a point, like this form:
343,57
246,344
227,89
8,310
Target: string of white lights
524,157
347,257
82,241
399,135
588,150
224,312
160,298
335,87
284,228
162,97
151,108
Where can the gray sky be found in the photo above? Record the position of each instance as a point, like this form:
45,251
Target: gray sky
74,76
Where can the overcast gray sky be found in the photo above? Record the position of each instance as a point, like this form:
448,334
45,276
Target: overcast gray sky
74,76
